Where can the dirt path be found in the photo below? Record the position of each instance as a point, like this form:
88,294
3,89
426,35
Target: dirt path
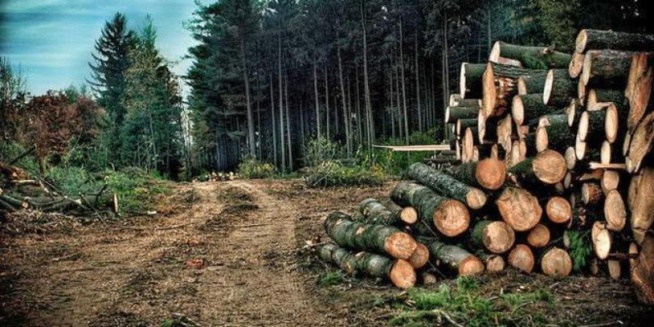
225,259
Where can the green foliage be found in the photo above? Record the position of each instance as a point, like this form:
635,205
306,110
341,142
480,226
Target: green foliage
322,150
581,249
251,168
73,180
334,173
466,305
395,163
11,150
137,190
330,278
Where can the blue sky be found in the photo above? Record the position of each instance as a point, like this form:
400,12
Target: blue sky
52,40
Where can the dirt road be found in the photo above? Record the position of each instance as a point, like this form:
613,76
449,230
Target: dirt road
224,257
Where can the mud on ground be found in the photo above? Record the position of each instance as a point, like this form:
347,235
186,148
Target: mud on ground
230,254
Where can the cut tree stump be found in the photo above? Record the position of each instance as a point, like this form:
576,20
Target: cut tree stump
531,57
368,237
522,258
576,65
519,209
456,258
495,236
447,185
450,217
601,239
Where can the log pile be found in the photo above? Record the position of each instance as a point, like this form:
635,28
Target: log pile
555,154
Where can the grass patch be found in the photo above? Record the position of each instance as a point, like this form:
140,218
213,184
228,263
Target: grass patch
330,278
251,168
334,173
464,304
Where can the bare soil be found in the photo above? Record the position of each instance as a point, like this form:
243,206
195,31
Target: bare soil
230,254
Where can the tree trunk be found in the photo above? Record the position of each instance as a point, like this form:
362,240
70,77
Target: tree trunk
400,272
556,262
470,80
457,101
315,93
332,253
462,124
601,98
557,134
529,107
447,185
456,258
452,114
274,123
251,140
519,209
402,81
450,217
281,103
559,88
495,236
369,237
493,262
419,109
591,194
346,118
327,118
547,167
522,258
366,87
499,86
589,39
606,68
288,126
376,213
641,203
532,84
530,57
489,173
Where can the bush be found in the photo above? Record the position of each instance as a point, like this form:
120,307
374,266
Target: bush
73,180
11,150
322,150
251,168
334,173
137,190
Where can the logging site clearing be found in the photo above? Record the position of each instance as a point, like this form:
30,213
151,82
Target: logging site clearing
234,254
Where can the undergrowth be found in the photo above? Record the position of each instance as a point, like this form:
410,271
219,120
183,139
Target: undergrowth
581,249
464,305
252,168
334,173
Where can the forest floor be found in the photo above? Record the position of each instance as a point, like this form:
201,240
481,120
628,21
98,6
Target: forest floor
231,254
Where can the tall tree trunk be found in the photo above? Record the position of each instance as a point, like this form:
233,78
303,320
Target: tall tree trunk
344,102
246,80
274,123
418,86
392,107
288,126
259,150
328,127
358,101
281,102
400,119
403,81
315,92
366,87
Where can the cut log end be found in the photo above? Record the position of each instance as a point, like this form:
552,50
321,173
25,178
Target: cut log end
539,236
452,218
400,245
615,211
542,139
605,153
522,258
610,180
518,110
580,42
409,215
476,199
547,90
580,148
591,194
519,209
403,275
471,266
601,238
556,263
576,64
611,123
570,158
642,274
495,263
498,237
615,269
420,256
549,167
491,173
558,210
582,130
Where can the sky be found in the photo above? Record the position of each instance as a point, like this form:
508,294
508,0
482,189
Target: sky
51,41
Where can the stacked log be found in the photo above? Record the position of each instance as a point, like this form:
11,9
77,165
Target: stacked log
552,145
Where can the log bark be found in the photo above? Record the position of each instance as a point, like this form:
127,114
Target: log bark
487,129
452,114
462,124
559,88
456,258
538,236
522,258
495,236
606,68
488,173
530,57
556,262
589,39
450,217
529,107
601,98
499,86
399,272
376,213
369,237
558,210
470,80
519,209
534,83
639,88
641,143
642,272
332,253
457,101
548,167
641,203
591,127
447,185
556,132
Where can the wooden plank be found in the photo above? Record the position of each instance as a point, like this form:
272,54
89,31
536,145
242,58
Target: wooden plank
414,148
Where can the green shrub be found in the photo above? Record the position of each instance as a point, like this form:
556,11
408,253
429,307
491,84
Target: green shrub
334,173
322,150
251,168
137,190
73,180
11,150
